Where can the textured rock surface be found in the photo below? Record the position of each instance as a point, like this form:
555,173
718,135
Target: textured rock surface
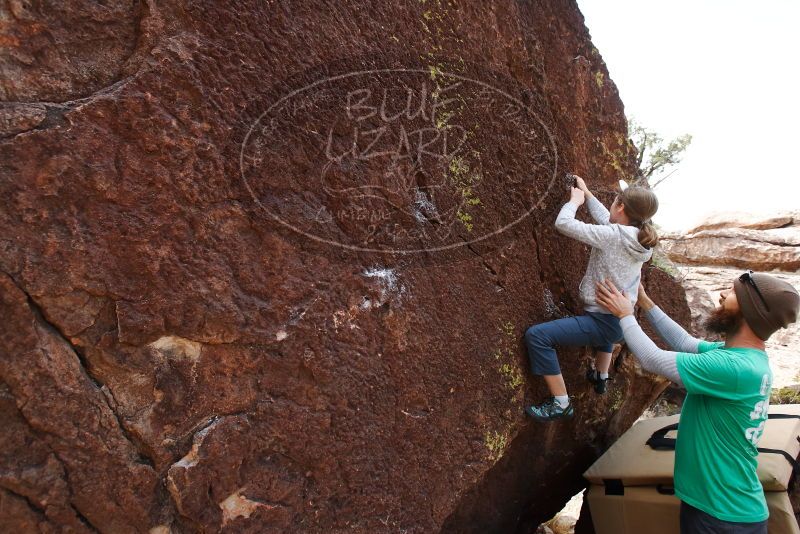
758,243
176,358
61,51
752,221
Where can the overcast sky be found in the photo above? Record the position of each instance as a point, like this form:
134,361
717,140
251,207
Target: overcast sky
725,71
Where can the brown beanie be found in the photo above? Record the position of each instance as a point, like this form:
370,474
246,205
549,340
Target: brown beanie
781,298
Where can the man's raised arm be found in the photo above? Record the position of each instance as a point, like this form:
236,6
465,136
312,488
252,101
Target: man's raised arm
653,359
671,332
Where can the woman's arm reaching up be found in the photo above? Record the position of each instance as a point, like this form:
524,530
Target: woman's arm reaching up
596,209
594,235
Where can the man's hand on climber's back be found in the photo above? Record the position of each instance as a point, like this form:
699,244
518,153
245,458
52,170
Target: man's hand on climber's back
610,297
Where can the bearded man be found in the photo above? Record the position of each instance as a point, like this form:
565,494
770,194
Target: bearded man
728,386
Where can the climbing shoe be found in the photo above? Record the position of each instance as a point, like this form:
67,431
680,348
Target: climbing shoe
550,411
599,383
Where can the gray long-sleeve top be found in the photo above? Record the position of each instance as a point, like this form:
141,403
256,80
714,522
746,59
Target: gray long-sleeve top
616,252
653,359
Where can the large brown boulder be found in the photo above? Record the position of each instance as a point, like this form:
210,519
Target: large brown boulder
760,243
267,267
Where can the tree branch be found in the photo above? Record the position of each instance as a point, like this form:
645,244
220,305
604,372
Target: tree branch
664,178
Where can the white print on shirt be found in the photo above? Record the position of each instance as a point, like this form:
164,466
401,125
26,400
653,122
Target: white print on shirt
760,411
764,384
754,434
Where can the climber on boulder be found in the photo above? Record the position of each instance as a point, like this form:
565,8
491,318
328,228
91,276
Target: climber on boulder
728,386
621,242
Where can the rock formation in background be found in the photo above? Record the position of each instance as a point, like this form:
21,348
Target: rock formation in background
711,255
740,240
266,267
703,285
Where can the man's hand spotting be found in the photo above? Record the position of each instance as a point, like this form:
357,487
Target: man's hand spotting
609,296
643,300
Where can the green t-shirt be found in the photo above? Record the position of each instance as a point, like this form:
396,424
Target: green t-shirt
722,419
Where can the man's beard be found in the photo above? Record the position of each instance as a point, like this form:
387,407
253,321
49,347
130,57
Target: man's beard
725,322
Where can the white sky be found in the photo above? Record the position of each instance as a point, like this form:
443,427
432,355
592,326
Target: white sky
725,71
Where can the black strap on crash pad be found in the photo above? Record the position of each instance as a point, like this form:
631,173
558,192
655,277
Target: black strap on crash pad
795,464
658,441
614,486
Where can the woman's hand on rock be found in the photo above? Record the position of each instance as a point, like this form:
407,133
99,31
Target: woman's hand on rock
580,184
577,196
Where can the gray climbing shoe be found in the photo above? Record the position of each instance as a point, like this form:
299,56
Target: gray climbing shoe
550,411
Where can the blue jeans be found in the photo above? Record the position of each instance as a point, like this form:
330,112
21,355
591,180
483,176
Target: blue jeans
598,330
694,521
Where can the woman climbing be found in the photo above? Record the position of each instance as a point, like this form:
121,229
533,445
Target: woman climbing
621,241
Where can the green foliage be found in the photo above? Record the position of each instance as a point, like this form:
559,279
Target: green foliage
787,395
656,156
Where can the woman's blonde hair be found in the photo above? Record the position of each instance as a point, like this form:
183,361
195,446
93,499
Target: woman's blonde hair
640,205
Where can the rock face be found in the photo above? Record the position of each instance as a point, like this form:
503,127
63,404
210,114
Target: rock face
267,267
747,241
